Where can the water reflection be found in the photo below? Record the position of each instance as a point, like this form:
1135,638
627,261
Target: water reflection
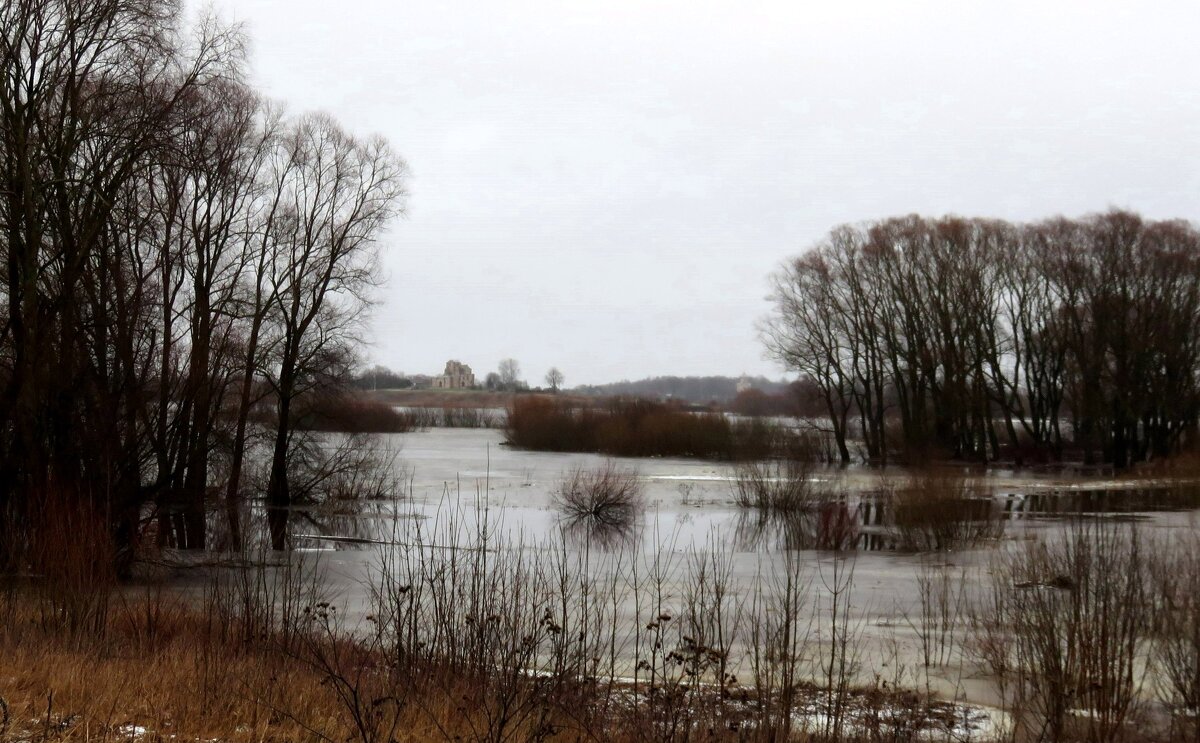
862,522
873,522
344,523
583,532
832,526
1052,502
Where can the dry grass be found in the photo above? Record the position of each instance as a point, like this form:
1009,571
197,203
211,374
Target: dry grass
496,644
175,670
164,674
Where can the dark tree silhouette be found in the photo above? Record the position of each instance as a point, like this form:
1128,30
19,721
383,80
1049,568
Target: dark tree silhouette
175,256
973,337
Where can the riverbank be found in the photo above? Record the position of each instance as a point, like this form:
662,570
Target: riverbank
472,603
157,665
477,643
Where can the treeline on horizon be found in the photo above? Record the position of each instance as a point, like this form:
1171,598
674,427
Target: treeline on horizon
702,389
977,338
183,265
692,389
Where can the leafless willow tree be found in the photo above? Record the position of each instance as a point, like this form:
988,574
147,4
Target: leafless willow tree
91,96
974,337
554,378
510,374
340,194
175,254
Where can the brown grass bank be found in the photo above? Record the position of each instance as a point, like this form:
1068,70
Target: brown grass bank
164,667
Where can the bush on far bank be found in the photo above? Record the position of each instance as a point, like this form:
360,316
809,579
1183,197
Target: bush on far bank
638,428
350,413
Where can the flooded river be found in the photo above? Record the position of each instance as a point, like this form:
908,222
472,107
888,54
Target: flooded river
468,477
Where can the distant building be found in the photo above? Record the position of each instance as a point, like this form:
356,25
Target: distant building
744,383
457,376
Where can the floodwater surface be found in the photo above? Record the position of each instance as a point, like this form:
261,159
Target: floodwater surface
468,478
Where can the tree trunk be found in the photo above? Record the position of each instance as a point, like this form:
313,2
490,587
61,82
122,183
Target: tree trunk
278,496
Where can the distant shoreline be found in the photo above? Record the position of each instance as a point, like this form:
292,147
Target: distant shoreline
455,398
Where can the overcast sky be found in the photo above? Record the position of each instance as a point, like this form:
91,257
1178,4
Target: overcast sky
605,186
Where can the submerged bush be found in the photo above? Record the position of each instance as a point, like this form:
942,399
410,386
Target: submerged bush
776,485
939,511
349,413
786,484
640,428
1061,628
467,418
609,497
544,425
1176,583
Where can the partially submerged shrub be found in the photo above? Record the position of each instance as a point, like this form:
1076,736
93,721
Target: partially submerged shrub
609,496
1176,570
933,510
640,428
324,468
788,482
543,424
1060,630
425,417
461,417
780,485
350,413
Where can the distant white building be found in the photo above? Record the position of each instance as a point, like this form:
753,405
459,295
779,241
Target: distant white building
457,376
744,384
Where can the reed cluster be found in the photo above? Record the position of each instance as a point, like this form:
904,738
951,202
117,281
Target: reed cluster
640,428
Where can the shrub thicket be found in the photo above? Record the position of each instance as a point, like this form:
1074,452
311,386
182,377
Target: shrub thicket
639,428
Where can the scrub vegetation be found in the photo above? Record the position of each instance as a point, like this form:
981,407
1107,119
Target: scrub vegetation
640,428
1083,636
609,496
932,510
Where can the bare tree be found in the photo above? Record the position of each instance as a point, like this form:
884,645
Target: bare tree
510,374
91,96
554,378
492,381
172,256
338,196
974,335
